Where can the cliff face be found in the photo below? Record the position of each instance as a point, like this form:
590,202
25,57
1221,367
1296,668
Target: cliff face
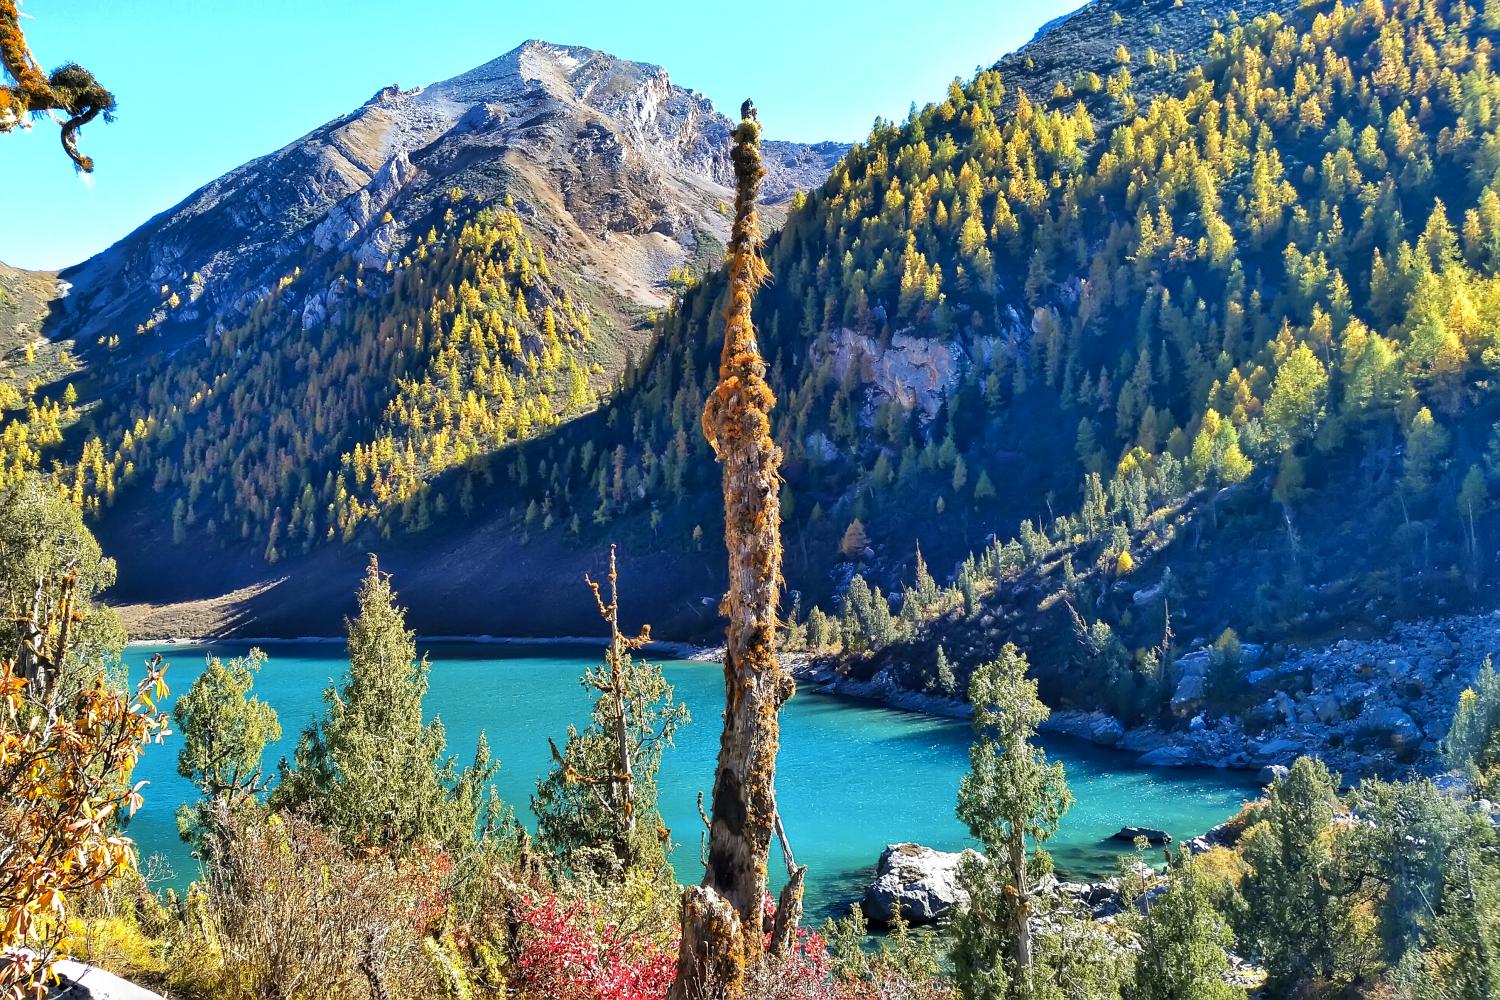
621,172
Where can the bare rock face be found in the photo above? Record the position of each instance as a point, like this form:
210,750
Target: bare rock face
72,980
916,372
921,881
621,173
353,215
77,981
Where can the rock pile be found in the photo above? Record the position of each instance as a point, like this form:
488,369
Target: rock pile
1366,706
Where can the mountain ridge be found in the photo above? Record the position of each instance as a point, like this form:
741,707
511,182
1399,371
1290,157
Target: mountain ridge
552,559
357,164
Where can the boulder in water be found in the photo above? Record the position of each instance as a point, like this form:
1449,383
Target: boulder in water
922,881
1154,837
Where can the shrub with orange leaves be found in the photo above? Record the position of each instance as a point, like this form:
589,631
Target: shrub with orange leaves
65,780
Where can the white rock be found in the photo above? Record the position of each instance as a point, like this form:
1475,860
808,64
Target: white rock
86,982
923,881
77,981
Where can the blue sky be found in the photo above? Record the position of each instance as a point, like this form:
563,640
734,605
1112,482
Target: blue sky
205,85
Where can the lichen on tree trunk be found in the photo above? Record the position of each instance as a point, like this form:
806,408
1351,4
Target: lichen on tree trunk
723,926
69,89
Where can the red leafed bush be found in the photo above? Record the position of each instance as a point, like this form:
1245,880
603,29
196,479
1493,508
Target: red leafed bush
563,951
803,973
563,954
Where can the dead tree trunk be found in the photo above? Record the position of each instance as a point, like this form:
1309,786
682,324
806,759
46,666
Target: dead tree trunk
45,635
723,932
618,782
622,781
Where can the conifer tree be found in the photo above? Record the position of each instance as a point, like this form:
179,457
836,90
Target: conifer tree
944,681
596,810
1183,944
1011,800
1299,916
855,541
1473,742
371,770
225,731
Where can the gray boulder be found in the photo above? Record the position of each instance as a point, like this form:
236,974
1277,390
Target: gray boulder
1096,727
1453,785
1188,694
1148,595
1226,834
1170,756
1277,750
1143,739
1193,664
1153,836
1392,723
1272,773
922,881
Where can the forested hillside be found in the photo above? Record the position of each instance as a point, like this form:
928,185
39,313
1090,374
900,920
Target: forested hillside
286,359
1152,297
1163,356
1223,355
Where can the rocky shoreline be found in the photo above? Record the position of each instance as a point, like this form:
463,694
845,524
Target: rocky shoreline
923,883
1367,707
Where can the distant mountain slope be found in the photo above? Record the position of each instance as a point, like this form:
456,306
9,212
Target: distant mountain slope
617,169
25,298
884,341
1223,350
292,352
901,320
638,471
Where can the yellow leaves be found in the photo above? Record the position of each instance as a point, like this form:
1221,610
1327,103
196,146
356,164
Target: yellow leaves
65,777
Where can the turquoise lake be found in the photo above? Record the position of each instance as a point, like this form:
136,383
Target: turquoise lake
851,777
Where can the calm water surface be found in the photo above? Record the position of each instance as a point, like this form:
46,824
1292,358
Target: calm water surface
851,777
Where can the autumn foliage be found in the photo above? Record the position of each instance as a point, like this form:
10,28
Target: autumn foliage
65,780
564,953
70,89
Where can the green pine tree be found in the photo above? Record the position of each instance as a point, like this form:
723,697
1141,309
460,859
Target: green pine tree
1011,800
225,731
371,770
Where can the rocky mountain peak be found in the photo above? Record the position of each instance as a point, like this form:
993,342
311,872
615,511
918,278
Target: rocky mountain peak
568,72
620,172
